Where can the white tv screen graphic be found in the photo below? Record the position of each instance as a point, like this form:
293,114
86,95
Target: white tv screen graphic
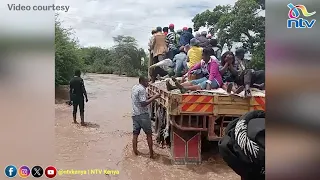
51,172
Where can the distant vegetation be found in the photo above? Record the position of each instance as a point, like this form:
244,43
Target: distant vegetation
125,58
238,23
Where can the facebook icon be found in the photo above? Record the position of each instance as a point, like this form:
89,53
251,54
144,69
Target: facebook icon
10,171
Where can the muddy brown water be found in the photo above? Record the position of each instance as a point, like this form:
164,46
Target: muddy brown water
106,142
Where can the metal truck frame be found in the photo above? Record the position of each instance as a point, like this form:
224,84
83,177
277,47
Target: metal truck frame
191,117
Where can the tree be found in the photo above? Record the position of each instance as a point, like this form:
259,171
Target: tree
67,55
240,23
126,55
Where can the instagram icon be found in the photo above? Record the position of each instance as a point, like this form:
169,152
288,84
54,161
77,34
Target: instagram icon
24,171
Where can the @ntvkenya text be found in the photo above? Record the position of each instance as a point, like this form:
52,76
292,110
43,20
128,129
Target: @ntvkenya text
87,172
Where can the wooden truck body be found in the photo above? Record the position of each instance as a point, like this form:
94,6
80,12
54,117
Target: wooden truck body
192,117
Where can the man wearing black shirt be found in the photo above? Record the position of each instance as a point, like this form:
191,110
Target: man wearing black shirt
77,94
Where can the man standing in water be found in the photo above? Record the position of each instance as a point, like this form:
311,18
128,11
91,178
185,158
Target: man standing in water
140,114
77,94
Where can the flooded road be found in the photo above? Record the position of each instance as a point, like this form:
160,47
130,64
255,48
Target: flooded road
106,142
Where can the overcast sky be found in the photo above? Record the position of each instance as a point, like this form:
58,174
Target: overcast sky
95,22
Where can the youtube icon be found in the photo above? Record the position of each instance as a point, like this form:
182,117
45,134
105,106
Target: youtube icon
50,172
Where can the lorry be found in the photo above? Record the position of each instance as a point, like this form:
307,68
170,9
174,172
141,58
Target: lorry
186,119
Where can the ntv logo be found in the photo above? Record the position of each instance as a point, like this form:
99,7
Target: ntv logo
294,14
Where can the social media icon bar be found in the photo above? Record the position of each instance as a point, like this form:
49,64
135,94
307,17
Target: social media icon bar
10,171
51,172
37,171
24,171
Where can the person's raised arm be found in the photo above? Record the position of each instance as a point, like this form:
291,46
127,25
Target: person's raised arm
224,68
143,98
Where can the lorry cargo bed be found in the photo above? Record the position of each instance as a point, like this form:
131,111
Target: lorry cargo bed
207,102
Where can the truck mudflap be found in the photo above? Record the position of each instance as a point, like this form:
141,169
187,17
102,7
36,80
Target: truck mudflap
186,147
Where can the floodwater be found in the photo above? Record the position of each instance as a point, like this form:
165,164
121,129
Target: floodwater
106,142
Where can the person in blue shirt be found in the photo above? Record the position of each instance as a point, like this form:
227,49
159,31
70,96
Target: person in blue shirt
185,37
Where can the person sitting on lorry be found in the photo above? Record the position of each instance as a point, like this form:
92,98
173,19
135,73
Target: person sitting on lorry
210,68
164,67
237,76
180,62
172,43
229,73
246,76
194,53
159,48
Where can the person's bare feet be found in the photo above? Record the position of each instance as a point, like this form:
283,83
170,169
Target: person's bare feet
136,153
152,156
179,86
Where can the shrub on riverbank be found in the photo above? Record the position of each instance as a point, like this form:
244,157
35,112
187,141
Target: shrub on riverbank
125,58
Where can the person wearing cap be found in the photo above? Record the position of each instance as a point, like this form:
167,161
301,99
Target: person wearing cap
243,145
185,37
180,62
211,77
203,41
195,53
159,48
172,43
